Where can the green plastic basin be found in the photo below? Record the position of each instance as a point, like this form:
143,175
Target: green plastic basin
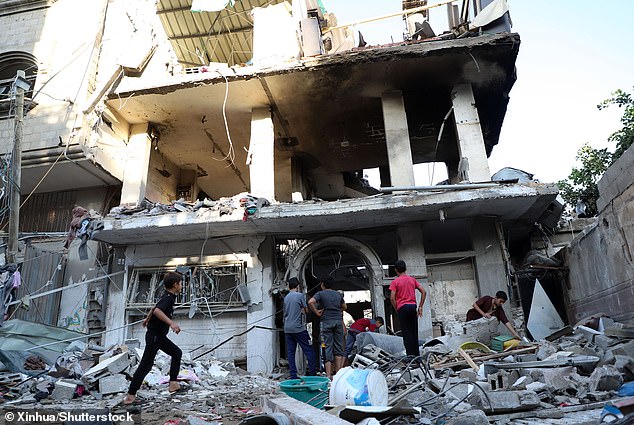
312,390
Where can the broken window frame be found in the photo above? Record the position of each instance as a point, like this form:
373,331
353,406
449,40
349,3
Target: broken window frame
220,291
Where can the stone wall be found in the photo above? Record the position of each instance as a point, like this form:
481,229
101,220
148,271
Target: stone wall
600,259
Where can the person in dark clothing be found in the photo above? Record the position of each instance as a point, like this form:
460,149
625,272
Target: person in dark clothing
492,307
159,322
403,297
331,309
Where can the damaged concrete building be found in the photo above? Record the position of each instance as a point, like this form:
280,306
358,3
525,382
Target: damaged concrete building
260,118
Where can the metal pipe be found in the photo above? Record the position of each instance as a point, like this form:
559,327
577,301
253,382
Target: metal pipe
441,187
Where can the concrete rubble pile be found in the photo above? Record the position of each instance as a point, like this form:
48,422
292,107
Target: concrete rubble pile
243,202
92,380
577,376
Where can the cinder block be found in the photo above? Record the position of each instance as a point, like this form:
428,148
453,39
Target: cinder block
113,384
64,390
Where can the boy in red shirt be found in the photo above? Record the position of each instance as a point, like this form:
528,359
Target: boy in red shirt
361,325
403,297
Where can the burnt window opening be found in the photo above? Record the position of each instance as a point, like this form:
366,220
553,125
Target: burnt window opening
10,64
204,287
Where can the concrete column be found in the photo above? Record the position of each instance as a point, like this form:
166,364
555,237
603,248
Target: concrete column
262,343
399,152
261,163
489,260
412,251
474,166
137,164
117,298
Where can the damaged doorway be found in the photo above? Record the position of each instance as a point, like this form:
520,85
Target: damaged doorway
356,271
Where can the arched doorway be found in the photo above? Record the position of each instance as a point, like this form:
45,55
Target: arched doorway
355,268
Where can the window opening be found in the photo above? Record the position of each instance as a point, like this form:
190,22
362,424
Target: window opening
220,285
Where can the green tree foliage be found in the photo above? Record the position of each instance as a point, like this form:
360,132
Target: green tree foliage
581,184
625,136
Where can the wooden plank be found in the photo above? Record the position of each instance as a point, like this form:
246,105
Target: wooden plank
468,359
441,365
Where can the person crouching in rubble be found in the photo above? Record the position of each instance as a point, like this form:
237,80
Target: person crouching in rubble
159,322
488,307
361,325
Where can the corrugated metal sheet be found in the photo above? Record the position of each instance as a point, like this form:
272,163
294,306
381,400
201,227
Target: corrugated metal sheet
199,38
39,268
47,212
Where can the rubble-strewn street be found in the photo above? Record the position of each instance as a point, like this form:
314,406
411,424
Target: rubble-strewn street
575,379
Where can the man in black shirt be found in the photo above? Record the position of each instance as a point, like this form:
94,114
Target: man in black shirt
159,322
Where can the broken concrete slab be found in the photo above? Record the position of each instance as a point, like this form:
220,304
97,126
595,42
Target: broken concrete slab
111,366
298,412
504,401
113,384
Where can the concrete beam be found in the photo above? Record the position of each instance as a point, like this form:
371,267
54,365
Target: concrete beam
474,166
137,164
412,251
298,412
399,151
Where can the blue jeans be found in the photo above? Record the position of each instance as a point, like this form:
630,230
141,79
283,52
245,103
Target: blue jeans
350,340
301,338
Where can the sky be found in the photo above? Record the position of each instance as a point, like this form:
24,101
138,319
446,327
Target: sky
573,55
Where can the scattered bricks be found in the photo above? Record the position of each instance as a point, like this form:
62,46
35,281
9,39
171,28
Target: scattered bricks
473,417
64,390
504,401
113,384
605,378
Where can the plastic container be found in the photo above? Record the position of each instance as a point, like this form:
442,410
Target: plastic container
358,387
309,389
626,390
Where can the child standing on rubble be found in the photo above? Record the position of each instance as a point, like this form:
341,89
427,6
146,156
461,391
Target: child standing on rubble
159,322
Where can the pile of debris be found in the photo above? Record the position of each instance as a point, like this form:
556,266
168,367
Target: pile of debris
96,380
245,202
581,375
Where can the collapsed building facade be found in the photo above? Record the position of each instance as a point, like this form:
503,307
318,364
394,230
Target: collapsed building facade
261,121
